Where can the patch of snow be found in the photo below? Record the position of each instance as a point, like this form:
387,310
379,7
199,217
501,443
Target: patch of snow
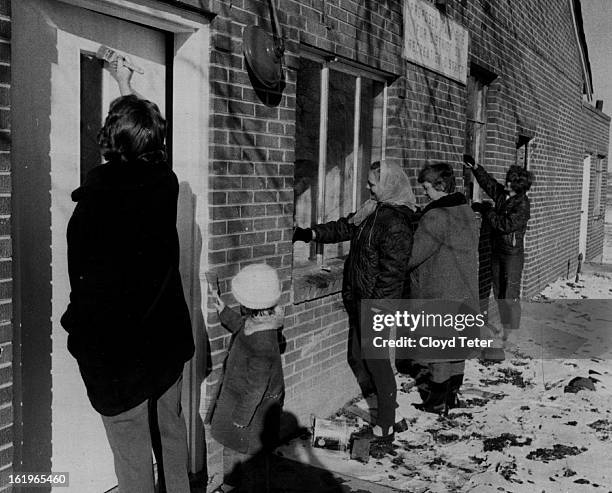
539,437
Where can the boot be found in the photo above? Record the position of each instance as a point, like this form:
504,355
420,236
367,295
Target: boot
454,384
381,443
436,401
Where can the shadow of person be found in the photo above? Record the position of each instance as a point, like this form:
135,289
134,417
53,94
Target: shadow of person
484,266
267,472
200,366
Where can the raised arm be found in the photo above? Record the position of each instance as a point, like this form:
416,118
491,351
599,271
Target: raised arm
231,320
122,72
494,189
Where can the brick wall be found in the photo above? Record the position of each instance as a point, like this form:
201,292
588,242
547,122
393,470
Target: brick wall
538,85
6,332
533,52
252,138
538,88
529,45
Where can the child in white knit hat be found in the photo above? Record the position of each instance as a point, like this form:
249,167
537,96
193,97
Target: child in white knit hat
245,416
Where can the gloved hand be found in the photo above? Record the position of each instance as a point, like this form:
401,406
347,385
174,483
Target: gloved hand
468,161
481,207
302,234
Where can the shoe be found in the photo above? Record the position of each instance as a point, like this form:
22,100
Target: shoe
382,445
224,488
432,408
435,401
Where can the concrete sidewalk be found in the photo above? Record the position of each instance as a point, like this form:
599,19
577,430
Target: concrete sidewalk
592,267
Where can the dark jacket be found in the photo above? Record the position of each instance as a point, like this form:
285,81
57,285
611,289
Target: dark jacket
444,258
376,266
251,390
127,320
508,218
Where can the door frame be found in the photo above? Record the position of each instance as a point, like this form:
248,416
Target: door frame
190,151
584,208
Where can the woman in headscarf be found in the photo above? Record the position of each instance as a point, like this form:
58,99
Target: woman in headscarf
443,266
380,233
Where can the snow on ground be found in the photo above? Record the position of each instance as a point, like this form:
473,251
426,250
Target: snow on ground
591,285
517,430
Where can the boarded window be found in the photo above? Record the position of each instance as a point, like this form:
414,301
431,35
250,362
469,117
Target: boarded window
522,151
339,132
475,126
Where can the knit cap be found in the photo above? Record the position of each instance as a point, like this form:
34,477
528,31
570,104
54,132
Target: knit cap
256,286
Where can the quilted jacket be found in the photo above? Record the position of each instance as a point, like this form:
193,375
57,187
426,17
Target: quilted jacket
376,266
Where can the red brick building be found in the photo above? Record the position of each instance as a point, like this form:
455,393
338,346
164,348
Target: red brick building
412,81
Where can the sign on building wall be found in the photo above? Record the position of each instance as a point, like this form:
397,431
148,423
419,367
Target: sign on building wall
434,41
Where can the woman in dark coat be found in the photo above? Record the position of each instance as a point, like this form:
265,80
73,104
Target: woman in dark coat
443,266
375,268
508,220
128,324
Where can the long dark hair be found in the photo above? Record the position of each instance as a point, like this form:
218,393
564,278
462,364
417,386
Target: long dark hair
133,127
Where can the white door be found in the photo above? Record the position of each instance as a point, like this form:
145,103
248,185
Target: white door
584,210
65,92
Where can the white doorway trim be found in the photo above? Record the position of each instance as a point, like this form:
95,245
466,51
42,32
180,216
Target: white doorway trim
190,116
190,158
584,209
147,12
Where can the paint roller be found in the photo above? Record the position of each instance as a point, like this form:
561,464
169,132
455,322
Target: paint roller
109,55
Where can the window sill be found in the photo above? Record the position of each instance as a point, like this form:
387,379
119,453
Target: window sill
311,282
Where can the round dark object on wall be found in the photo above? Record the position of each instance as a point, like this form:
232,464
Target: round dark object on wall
259,51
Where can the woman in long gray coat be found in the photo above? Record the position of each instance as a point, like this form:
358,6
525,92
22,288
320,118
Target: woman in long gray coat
443,265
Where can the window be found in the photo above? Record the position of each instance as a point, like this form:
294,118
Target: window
522,151
475,126
91,112
339,132
598,186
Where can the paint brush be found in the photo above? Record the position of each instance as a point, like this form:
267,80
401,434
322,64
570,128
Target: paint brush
213,283
109,55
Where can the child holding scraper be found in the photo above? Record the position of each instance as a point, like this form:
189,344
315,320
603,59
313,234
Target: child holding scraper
245,415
